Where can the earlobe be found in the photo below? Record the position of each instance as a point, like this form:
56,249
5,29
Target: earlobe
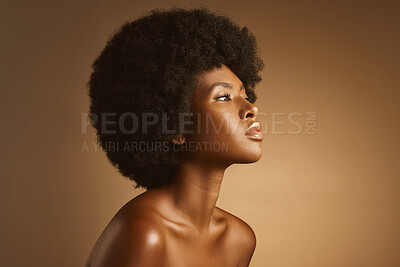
180,139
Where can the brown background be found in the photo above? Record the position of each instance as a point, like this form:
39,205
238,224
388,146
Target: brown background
314,200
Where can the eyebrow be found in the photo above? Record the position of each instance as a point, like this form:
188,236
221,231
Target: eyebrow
224,84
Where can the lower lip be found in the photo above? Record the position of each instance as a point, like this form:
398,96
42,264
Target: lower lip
256,135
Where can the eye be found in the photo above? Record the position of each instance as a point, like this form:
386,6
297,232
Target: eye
226,96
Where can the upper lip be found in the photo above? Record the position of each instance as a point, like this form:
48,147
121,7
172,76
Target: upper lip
255,126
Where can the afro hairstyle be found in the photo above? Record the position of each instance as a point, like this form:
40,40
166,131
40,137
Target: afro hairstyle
150,65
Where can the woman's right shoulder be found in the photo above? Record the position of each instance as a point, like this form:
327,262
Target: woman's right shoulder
134,237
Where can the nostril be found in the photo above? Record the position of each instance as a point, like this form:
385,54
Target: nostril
251,115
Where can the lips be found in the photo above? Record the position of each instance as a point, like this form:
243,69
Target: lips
254,131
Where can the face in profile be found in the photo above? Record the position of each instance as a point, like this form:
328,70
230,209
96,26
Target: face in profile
225,119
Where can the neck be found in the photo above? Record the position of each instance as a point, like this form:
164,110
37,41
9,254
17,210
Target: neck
195,190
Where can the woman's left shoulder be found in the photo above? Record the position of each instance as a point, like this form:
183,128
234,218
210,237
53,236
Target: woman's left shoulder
238,230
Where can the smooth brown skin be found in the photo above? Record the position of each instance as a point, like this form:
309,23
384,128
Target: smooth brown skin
178,224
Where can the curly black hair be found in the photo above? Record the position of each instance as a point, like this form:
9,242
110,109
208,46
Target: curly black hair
150,65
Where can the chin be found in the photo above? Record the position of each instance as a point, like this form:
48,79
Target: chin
240,152
255,157
253,153
249,157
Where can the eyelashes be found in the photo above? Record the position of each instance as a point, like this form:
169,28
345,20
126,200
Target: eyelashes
225,95
228,96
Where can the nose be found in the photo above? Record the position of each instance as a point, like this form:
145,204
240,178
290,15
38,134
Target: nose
249,111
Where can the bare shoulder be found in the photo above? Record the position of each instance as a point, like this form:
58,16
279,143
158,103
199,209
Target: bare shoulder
132,238
241,237
240,229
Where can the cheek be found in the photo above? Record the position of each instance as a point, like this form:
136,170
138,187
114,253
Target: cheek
225,133
230,124
216,126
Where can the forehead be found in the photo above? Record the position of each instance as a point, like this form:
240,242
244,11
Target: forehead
216,75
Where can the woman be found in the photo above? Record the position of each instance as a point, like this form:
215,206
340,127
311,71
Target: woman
153,74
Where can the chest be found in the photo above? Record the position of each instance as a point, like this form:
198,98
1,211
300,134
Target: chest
181,251
193,256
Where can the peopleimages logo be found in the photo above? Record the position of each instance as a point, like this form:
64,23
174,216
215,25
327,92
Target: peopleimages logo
275,123
305,123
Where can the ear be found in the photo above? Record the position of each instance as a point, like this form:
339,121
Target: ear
178,140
